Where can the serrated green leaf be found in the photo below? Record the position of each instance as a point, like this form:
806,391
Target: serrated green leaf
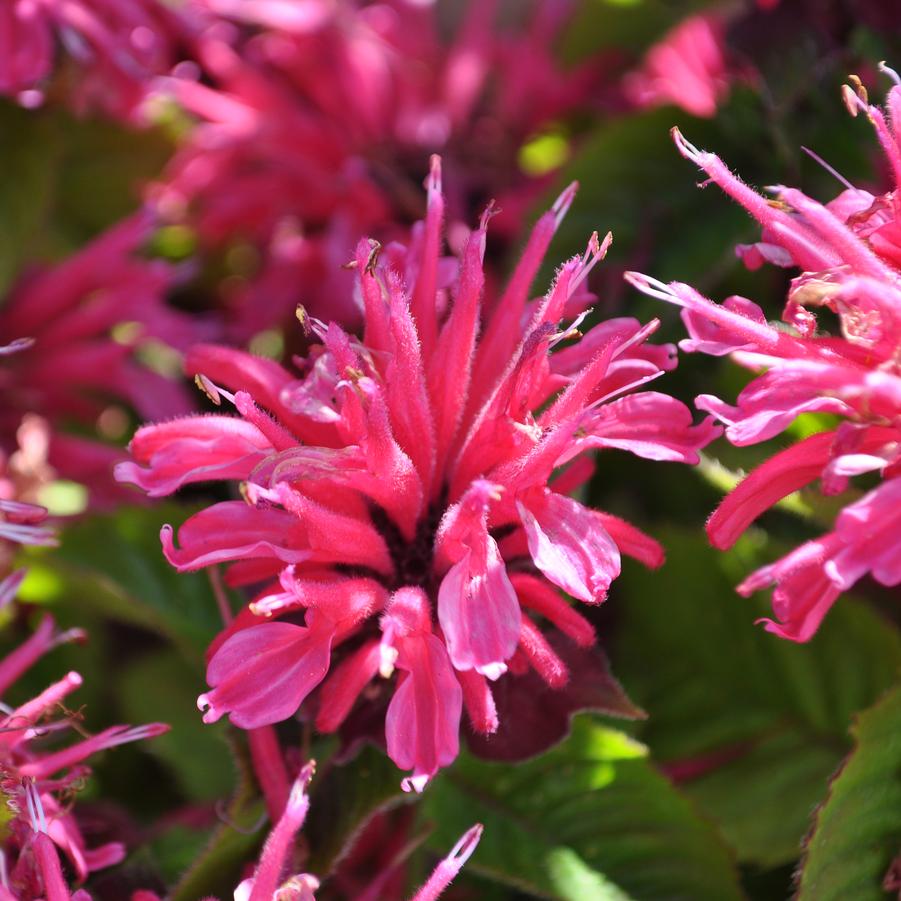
590,820
857,831
753,724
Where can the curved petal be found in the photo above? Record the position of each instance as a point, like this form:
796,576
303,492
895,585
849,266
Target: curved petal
423,720
262,674
568,544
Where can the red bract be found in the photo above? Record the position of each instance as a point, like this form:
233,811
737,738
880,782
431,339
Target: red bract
849,251
73,332
115,46
406,491
314,122
38,779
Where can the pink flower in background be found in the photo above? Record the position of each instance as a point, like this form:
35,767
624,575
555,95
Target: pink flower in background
269,878
114,48
848,251
23,474
686,69
314,122
39,776
82,339
405,509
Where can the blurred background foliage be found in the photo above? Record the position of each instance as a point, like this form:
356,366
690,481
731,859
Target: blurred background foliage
713,796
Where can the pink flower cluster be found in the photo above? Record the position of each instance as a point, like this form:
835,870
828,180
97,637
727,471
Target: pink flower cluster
72,334
38,779
405,500
686,68
850,254
116,47
300,164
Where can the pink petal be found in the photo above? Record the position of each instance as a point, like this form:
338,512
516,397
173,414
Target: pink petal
423,720
262,674
569,544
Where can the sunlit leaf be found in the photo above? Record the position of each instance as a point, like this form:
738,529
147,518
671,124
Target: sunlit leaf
591,819
857,831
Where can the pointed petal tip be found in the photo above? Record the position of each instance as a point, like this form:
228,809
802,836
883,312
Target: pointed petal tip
433,181
685,147
463,850
561,205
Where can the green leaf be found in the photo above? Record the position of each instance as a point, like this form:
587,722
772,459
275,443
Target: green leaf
113,564
163,687
857,831
591,819
65,179
751,723
217,870
29,159
342,800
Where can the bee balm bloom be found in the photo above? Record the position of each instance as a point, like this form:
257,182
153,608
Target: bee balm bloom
71,340
405,497
39,777
849,250
114,47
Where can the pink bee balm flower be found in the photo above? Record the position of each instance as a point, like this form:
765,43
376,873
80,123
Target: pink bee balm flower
22,474
315,120
851,270
73,334
687,69
405,495
114,47
38,776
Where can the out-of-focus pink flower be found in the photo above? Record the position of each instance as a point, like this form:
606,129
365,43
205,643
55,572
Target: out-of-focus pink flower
82,338
687,68
38,776
395,491
852,270
22,474
314,121
114,47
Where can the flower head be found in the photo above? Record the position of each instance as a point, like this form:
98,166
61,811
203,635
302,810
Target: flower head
115,49
314,124
39,778
73,335
852,268
405,497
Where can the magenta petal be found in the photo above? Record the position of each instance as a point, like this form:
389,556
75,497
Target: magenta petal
262,674
423,721
232,530
568,544
479,611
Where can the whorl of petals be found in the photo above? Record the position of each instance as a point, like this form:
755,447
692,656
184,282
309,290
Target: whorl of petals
849,251
398,493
